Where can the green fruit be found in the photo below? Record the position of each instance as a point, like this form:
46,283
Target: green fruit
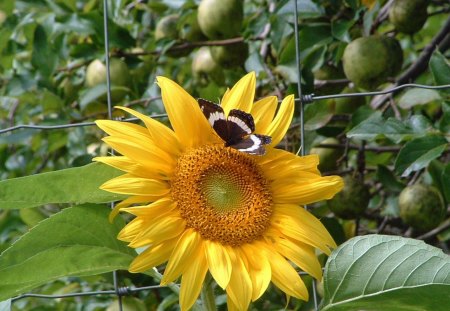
220,19
369,61
395,52
352,201
421,206
119,75
230,55
3,16
347,105
328,156
329,72
205,69
166,28
408,16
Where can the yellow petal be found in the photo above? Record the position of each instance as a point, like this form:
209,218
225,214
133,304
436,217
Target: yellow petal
263,112
305,219
241,95
127,165
188,121
192,279
153,256
119,128
152,158
163,136
315,234
153,210
128,184
182,256
300,254
258,267
239,288
286,278
279,126
127,202
161,229
306,189
131,230
290,167
219,262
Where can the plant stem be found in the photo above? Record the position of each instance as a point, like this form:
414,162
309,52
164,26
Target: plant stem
207,295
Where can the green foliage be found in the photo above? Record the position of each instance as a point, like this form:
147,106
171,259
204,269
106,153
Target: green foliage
360,275
391,142
77,241
52,187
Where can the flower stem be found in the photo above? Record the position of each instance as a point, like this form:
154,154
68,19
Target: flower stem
207,295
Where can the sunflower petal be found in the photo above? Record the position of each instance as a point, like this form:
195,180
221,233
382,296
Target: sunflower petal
151,158
152,256
239,288
286,278
163,228
258,267
127,202
182,256
188,121
263,112
241,94
219,262
192,280
308,189
279,126
164,137
129,184
300,254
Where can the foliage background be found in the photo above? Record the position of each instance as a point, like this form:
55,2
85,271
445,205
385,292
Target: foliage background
46,46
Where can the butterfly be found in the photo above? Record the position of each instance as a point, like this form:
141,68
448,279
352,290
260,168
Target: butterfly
236,130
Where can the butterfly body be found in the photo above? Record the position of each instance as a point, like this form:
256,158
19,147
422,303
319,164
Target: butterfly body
236,129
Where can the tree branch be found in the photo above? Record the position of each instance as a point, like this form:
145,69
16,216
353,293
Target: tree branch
441,41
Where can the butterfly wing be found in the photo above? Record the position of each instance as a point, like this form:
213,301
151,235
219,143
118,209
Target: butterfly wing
240,124
253,144
216,117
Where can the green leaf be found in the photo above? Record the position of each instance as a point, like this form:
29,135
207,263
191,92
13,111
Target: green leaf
376,127
388,179
78,241
317,115
99,92
440,68
42,58
389,273
74,186
418,153
416,97
446,182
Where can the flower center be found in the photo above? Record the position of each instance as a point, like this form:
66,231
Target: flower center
222,194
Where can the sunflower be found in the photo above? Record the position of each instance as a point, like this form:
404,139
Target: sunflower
202,207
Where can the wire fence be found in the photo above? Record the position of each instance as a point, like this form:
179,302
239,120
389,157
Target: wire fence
303,100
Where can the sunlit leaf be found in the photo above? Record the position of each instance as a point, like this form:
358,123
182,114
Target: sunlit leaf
78,241
74,185
389,273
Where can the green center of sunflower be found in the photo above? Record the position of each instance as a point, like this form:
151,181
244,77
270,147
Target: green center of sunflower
222,194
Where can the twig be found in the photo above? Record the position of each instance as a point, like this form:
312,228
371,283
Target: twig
441,41
444,226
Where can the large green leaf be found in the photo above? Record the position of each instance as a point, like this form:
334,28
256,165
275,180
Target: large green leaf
389,273
78,241
74,185
418,153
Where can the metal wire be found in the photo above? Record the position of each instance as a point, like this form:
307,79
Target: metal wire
302,100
